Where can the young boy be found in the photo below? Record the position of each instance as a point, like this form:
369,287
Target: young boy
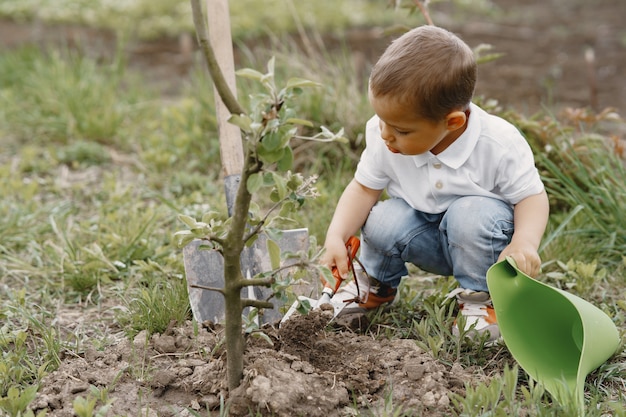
463,188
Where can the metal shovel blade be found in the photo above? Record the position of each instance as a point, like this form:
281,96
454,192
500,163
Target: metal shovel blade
206,268
338,304
315,304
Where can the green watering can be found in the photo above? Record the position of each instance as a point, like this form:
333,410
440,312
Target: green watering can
556,337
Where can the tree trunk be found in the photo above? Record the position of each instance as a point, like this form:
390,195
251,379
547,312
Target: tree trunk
233,322
233,278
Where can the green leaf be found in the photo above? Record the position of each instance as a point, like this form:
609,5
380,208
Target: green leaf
286,136
274,233
29,394
184,237
209,216
271,125
295,181
301,82
241,121
274,197
84,407
254,183
104,410
252,239
254,208
304,306
296,121
250,74
268,179
272,141
327,276
274,251
286,162
281,185
188,220
271,65
268,156
482,57
288,208
262,336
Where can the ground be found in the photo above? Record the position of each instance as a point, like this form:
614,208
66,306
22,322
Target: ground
308,370
305,370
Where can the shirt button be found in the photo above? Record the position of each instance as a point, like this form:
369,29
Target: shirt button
439,185
437,165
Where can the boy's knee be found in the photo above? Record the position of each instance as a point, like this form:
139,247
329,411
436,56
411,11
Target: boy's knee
386,219
389,213
472,217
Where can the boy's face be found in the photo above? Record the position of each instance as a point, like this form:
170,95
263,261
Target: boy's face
405,133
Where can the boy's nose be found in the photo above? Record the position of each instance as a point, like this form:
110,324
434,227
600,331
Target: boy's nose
385,133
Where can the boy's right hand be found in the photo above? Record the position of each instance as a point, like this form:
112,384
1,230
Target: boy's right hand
337,255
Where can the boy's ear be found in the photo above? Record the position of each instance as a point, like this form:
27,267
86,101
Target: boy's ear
456,120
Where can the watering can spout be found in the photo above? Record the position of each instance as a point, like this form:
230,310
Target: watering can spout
556,337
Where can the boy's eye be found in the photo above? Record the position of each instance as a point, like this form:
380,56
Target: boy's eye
402,132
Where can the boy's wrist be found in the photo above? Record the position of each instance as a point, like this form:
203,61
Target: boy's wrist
524,240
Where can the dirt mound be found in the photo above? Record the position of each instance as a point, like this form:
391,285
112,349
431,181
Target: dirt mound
306,369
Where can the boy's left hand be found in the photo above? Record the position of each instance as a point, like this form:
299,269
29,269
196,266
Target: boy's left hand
530,218
526,257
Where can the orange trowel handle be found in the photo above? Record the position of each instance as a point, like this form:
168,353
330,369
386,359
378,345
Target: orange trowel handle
352,246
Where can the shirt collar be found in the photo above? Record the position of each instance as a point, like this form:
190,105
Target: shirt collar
460,150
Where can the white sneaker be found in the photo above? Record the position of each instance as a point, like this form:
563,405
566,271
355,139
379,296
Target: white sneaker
478,311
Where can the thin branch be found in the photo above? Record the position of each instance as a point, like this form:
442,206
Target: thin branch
257,228
300,264
315,138
257,282
423,6
202,287
214,239
267,282
227,96
248,302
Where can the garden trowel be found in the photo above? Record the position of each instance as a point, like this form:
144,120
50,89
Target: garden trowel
204,268
329,290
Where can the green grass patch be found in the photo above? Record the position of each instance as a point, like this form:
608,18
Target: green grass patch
250,18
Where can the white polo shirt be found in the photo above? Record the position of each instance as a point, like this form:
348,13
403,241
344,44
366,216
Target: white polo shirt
491,158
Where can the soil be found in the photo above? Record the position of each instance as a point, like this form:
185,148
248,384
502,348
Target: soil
304,368
308,369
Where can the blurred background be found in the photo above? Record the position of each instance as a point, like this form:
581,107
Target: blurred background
555,53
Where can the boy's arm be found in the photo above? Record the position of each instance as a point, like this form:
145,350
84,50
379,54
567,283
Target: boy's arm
530,217
350,214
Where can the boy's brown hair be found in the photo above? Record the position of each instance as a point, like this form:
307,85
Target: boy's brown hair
429,69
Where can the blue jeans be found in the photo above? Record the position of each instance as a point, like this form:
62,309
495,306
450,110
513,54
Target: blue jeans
464,241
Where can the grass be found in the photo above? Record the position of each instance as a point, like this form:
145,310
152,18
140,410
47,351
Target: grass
95,167
250,19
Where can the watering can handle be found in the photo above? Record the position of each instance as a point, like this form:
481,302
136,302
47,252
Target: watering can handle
510,260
